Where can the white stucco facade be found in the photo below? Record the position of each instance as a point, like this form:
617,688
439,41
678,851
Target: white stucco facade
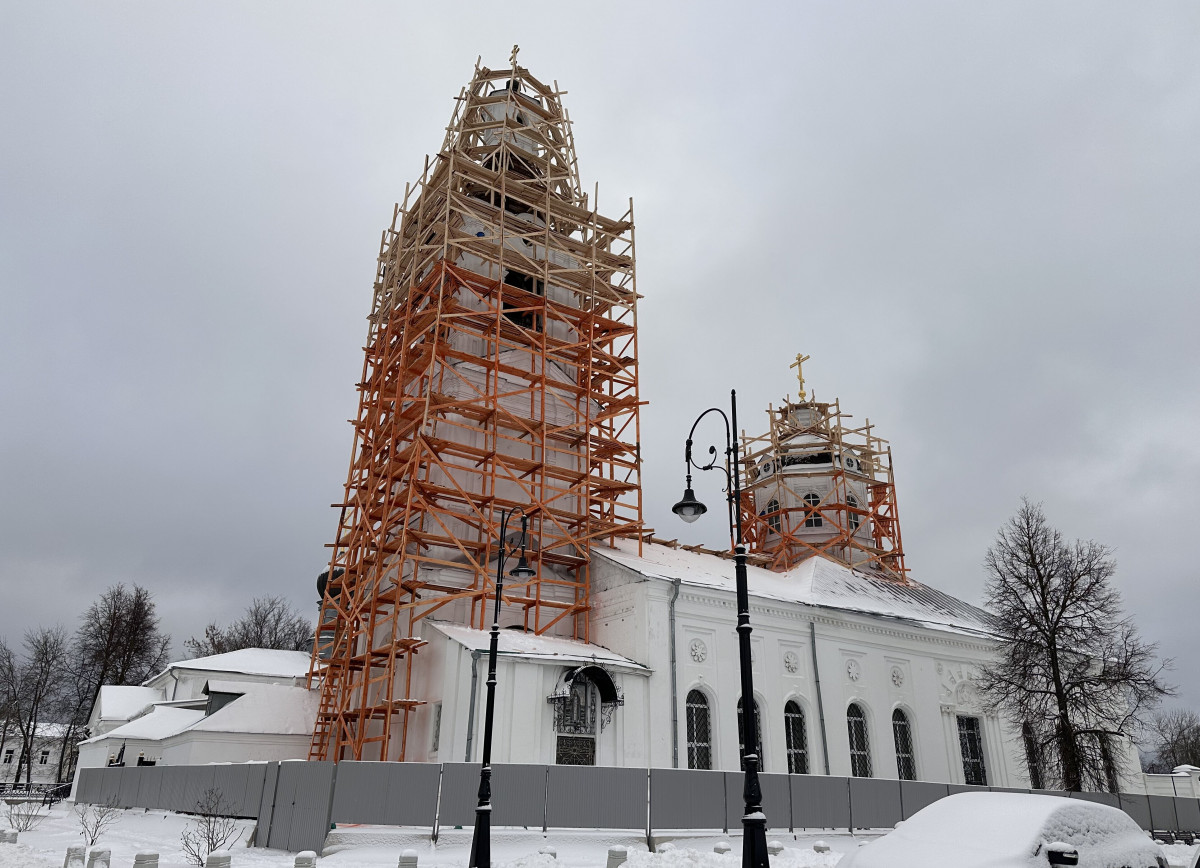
867,641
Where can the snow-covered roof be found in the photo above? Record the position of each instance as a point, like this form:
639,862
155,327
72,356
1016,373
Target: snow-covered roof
122,702
262,708
160,723
250,661
517,643
816,581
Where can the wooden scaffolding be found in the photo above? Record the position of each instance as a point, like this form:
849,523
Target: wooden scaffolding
815,485
500,372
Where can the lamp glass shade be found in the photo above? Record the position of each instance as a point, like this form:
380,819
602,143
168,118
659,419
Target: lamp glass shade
522,570
689,509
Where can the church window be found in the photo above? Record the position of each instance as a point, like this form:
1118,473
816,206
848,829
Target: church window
771,513
906,764
797,739
1033,756
699,731
813,516
970,742
437,728
853,519
860,743
757,732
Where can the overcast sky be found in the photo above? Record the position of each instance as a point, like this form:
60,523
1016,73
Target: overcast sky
980,220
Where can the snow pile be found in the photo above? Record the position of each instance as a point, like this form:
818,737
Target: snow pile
531,646
814,582
251,661
163,722
794,857
263,708
124,702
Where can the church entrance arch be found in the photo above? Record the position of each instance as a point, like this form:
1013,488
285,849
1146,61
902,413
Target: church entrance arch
584,701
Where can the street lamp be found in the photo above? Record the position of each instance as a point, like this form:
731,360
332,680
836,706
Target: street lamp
754,821
481,839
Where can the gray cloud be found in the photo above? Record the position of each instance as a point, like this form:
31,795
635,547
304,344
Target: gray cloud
979,221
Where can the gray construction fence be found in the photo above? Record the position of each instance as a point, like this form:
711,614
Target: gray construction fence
296,802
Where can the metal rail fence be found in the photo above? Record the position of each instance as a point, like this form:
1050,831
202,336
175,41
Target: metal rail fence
296,802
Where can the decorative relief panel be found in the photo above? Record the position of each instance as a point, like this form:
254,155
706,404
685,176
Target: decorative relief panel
698,650
791,662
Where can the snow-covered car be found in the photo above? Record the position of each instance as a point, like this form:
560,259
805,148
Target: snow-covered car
1011,830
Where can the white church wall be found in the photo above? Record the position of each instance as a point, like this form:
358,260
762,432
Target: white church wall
200,748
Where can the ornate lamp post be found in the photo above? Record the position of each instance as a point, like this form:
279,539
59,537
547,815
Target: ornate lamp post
754,821
481,839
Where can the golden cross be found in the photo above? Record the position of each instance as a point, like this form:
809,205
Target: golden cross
800,360
513,58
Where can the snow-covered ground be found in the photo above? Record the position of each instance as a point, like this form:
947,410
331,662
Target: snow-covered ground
140,830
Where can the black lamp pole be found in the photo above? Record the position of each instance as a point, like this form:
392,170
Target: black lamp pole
754,821
481,839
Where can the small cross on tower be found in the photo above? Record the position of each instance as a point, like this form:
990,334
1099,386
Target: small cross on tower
798,365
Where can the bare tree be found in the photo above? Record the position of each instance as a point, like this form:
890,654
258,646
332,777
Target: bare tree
23,816
210,830
1071,672
269,622
31,686
1175,737
94,819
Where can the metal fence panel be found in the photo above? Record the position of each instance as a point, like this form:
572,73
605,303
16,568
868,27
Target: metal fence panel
1138,807
820,802
776,800
519,795
91,786
875,803
174,783
111,791
1162,812
197,781
386,793
1109,799
687,799
230,782
582,797
965,788
266,805
459,794
1188,812
915,795
1063,793
149,786
256,773
304,793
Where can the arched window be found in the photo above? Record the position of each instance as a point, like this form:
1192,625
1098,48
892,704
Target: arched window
1033,756
797,739
813,518
772,515
853,519
906,763
860,744
699,731
762,761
